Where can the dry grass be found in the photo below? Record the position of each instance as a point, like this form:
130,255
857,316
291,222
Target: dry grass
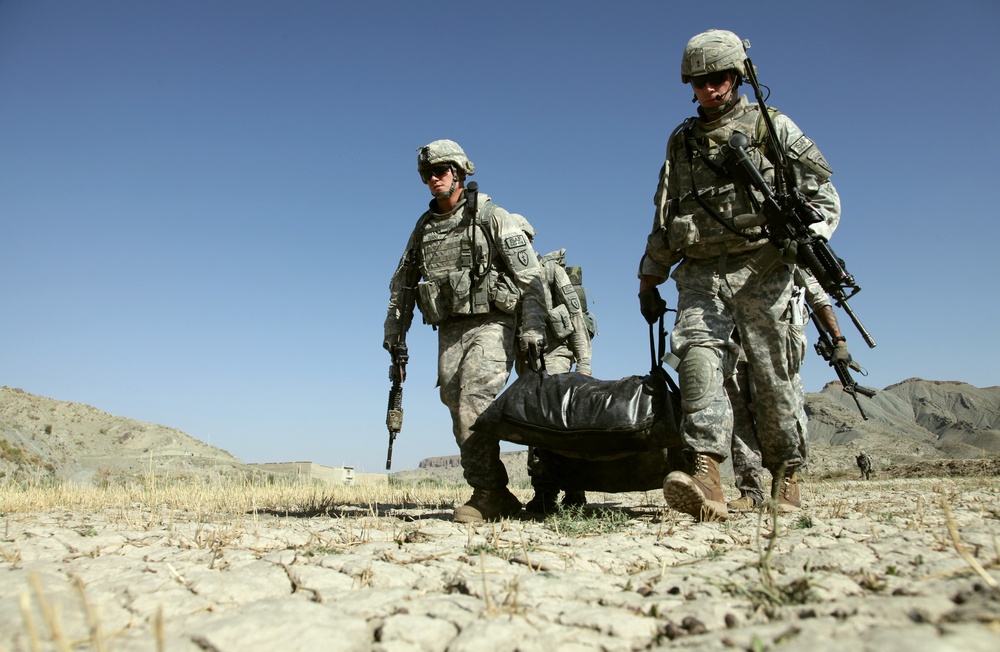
224,498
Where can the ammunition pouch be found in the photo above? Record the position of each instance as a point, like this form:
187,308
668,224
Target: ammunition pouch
454,295
560,323
506,295
434,305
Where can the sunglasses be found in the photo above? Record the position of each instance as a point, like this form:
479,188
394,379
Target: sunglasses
438,171
713,78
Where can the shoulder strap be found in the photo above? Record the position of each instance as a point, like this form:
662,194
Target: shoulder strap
760,134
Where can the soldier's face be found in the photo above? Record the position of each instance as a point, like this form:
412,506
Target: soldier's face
439,178
712,90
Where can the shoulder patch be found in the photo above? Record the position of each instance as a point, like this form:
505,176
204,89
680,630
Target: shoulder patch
805,151
515,242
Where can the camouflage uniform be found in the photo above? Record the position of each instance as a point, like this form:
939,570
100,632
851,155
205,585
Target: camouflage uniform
727,283
476,323
567,341
746,453
865,463
557,312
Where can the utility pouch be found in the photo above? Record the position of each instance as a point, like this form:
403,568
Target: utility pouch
461,287
560,322
431,301
506,295
765,260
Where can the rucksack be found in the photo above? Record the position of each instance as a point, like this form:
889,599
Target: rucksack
575,274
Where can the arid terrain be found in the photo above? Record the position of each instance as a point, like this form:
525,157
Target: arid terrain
180,555
866,565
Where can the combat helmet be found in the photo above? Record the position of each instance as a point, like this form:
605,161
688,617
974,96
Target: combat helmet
713,51
443,151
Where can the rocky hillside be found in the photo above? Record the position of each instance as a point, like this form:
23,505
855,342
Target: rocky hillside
909,422
41,437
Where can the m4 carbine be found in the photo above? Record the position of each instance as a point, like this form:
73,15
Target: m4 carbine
786,220
394,414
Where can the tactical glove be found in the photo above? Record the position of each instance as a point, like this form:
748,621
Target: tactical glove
841,354
790,252
651,305
533,347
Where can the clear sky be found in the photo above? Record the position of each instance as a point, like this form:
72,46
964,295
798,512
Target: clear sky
203,202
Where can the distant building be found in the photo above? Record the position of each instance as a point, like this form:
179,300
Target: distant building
309,472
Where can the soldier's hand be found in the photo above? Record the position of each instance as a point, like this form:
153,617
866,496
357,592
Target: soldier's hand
651,305
790,252
533,346
842,354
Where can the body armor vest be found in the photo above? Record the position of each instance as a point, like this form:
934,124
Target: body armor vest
707,192
457,258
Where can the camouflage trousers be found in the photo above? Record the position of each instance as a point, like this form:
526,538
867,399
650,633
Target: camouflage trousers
745,446
747,462
557,361
716,298
475,356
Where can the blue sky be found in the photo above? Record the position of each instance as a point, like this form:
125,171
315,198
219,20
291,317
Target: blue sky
203,202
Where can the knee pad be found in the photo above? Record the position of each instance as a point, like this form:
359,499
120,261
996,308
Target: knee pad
700,378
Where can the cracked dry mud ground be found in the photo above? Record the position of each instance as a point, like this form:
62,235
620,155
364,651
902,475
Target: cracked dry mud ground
884,565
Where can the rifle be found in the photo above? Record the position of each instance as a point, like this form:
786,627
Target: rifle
788,215
824,347
394,414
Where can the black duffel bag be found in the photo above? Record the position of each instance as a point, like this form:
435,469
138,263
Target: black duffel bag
580,414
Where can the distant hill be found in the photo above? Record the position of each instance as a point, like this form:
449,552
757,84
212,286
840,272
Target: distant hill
919,424
42,437
913,424
909,422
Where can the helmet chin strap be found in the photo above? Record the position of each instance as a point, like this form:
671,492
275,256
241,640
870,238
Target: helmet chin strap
444,194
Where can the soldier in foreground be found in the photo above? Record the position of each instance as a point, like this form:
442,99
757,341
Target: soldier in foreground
567,343
727,281
466,265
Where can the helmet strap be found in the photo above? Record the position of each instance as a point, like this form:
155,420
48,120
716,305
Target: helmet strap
444,194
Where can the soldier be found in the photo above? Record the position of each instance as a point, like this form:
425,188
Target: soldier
466,270
727,282
745,444
567,342
865,464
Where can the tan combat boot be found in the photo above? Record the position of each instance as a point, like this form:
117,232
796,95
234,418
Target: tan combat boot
699,495
787,494
488,505
744,503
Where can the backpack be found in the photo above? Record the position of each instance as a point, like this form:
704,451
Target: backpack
575,274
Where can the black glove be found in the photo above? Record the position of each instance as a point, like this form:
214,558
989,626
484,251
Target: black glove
651,305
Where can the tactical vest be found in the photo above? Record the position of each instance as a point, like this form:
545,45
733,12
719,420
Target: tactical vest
457,259
708,195
572,297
